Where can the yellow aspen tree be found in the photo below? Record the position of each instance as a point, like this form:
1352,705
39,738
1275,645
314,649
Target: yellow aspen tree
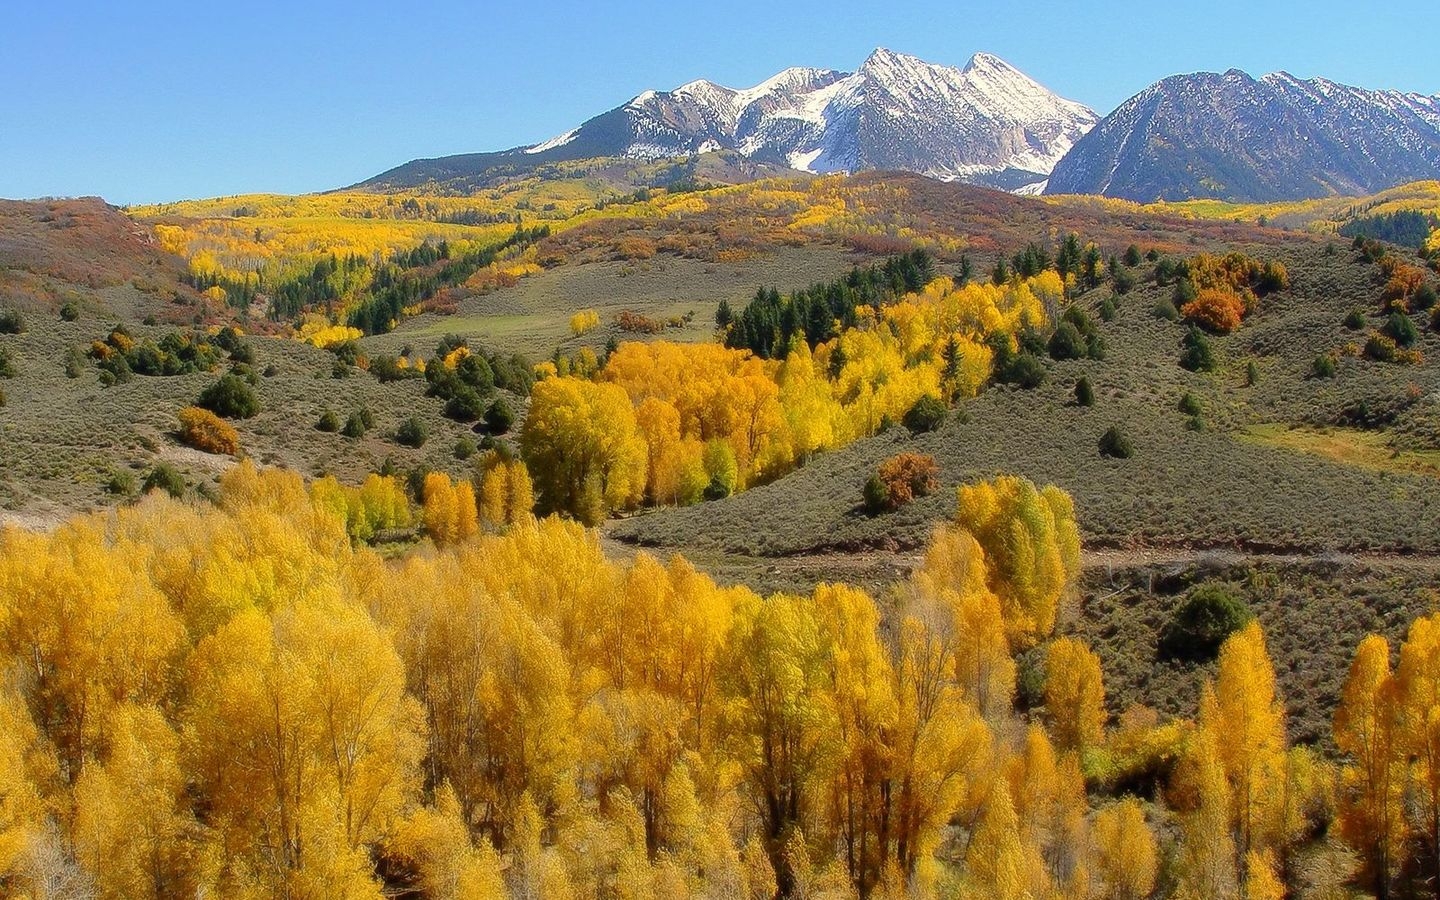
132,830
492,499
861,689
1074,694
1372,783
441,509
1250,720
1032,549
997,862
519,492
942,753
1127,858
1262,878
27,769
1417,685
466,513
954,578
1201,793
436,842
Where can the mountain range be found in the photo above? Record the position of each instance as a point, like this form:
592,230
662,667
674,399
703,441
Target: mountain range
987,122
1228,136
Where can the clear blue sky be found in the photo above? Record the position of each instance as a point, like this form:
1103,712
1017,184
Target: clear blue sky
144,101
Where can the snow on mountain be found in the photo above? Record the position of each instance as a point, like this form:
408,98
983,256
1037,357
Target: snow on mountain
1240,138
987,122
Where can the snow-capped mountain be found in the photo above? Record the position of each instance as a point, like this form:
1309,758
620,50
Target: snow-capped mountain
1240,138
987,122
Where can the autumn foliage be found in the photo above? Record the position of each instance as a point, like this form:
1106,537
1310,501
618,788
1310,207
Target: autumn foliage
207,432
907,476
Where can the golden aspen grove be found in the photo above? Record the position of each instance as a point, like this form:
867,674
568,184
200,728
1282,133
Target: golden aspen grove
243,700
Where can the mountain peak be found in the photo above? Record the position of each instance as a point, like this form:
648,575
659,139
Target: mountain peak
1233,137
988,61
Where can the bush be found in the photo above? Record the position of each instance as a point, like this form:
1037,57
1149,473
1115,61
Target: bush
1189,404
464,448
1107,309
875,495
465,406
1401,330
1323,366
356,425
906,476
207,432
11,322
329,422
1355,319
230,397
1067,342
165,477
1132,256
69,311
1084,393
1022,369
927,414
1210,614
1216,311
1425,297
1195,352
1114,444
1252,374
412,433
3,399
121,484
7,364
1166,310
499,418
1383,348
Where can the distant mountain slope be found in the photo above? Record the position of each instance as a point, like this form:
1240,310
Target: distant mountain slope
986,123
1235,137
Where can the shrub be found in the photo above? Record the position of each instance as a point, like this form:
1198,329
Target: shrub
1067,342
164,477
901,479
69,311
585,320
1189,404
927,414
1024,370
230,397
1084,393
1195,352
121,484
1252,374
7,364
3,400
1209,614
207,432
355,425
499,418
412,433
464,448
465,406
1114,444
1215,310
329,422
74,363
1383,348
1323,366
633,322
1132,256
1166,310
1107,309
1425,297
876,497
11,322
1355,319
1400,329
